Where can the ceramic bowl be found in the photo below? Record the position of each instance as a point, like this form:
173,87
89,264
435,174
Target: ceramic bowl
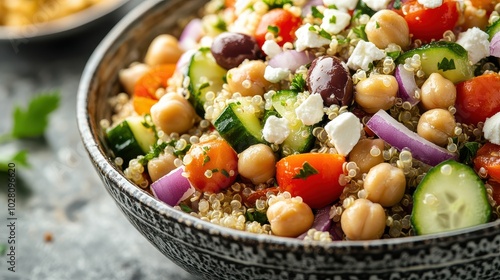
213,252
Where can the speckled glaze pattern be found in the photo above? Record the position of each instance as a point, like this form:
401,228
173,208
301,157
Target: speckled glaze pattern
212,252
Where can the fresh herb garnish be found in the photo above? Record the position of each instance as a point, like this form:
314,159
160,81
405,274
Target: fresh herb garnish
273,29
20,158
277,3
360,32
333,19
257,216
185,208
221,24
397,4
394,55
306,171
323,33
225,173
468,151
316,13
298,83
446,64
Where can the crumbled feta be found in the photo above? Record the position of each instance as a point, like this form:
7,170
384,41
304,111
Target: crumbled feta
364,53
476,42
344,132
335,21
308,39
431,4
491,129
377,5
275,130
275,75
343,5
271,48
311,110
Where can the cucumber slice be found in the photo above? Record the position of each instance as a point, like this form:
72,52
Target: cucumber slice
446,58
493,29
451,196
204,75
301,138
130,138
239,128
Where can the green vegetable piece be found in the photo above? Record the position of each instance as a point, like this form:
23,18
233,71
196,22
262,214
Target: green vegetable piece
19,158
450,196
493,29
306,171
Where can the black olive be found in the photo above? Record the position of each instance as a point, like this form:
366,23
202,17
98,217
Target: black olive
329,76
230,49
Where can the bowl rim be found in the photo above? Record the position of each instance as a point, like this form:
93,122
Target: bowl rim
61,26
89,138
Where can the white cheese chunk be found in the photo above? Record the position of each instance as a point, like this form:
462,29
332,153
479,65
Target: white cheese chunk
377,5
271,48
491,129
275,75
364,53
308,39
431,4
311,110
335,21
476,42
344,132
275,130
343,5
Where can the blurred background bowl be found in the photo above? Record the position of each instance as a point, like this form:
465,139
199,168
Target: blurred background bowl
213,252
64,26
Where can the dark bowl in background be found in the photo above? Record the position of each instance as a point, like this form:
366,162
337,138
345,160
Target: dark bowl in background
213,252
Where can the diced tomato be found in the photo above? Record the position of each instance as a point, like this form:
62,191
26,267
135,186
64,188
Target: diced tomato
146,87
478,98
488,157
250,199
496,191
312,176
283,21
213,165
427,24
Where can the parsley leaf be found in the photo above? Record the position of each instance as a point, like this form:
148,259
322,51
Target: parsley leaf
277,3
468,151
257,216
274,30
20,158
306,171
397,4
298,83
446,64
185,208
33,121
360,32
316,13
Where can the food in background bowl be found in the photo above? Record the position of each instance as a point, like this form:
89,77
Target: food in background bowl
255,255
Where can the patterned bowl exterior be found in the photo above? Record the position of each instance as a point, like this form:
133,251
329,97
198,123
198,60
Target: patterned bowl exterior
213,252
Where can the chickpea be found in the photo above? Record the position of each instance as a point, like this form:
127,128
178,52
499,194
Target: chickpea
387,27
257,163
385,184
248,78
436,125
438,92
363,220
290,217
376,92
173,113
367,153
164,49
129,76
474,17
160,166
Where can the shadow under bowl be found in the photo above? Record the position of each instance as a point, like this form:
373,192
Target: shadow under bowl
213,252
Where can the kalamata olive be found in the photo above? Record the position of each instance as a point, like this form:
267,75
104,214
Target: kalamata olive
230,49
330,77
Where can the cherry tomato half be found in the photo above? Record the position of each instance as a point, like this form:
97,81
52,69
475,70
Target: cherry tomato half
427,24
281,21
488,157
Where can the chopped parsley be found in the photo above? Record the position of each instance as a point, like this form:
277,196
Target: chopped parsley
225,173
257,216
273,29
220,24
277,3
306,171
377,25
333,19
360,32
323,33
316,13
185,208
298,83
446,64
397,4
468,151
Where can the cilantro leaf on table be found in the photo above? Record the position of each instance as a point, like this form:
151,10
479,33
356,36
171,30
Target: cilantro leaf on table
32,121
19,158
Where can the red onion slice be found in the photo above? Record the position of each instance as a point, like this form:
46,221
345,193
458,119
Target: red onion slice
407,84
191,34
306,9
172,188
400,137
291,59
495,45
322,221
183,62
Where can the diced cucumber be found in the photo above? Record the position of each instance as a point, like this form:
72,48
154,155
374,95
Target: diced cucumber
130,138
493,29
241,129
450,196
446,58
301,138
204,75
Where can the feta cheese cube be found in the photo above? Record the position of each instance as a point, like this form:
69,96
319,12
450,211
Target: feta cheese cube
377,5
364,53
431,4
491,129
275,130
271,48
343,5
335,21
344,132
476,42
308,39
311,110
275,75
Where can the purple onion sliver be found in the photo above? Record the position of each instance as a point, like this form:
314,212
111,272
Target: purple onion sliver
407,84
322,221
495,45
172,187
291,59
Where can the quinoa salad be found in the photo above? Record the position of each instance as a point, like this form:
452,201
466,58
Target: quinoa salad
323,120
